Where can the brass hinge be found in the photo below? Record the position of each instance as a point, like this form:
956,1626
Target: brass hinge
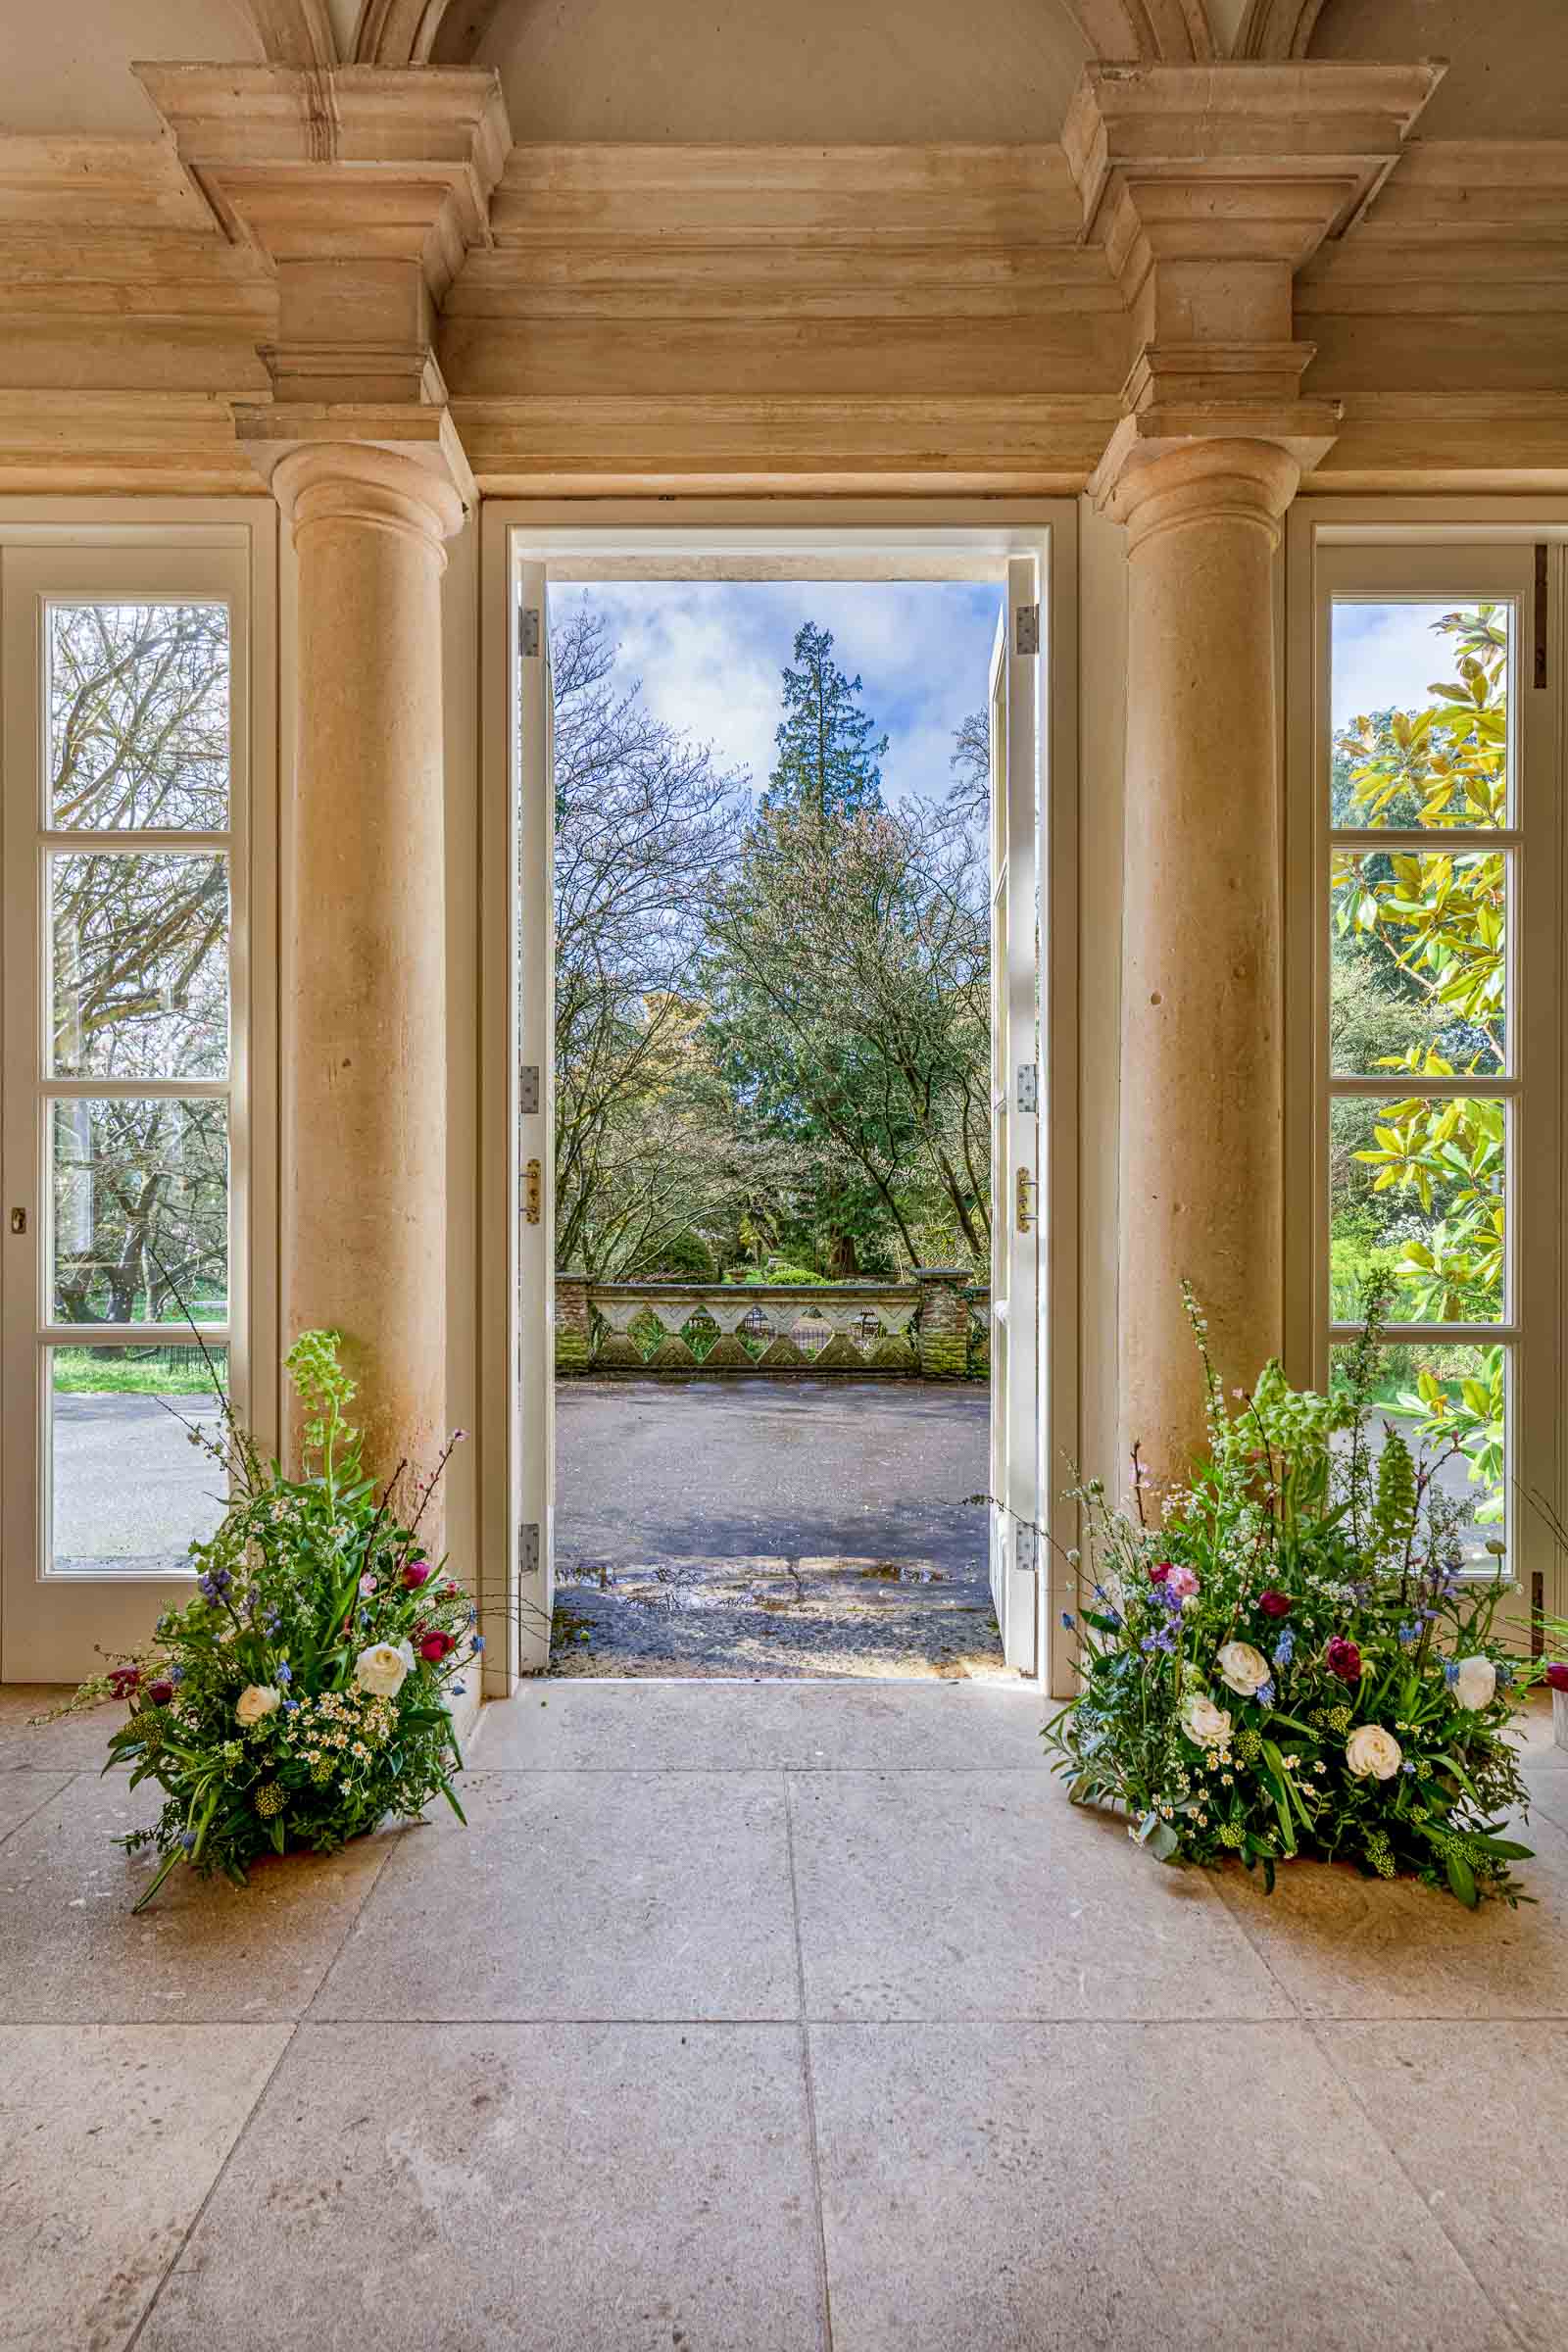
534,1188
1024,1186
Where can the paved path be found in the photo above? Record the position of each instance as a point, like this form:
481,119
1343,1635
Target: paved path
772,1528
130,1490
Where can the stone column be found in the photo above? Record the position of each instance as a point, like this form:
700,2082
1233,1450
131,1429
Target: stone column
573,1333
1200,1022
944,1334
364,916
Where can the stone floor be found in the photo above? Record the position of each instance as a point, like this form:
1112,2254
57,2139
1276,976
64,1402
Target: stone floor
775,1528
772,2017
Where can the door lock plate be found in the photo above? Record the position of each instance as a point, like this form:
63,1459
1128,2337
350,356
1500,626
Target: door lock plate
1025,1185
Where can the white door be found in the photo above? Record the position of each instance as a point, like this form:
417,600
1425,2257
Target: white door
534,1437
1016,1514
126,1153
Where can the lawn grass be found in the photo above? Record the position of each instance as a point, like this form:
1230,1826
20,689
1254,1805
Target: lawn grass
93,1372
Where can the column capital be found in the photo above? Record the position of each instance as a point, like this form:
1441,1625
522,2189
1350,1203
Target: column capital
372,482
1248,474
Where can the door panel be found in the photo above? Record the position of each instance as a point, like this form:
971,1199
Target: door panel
534,1438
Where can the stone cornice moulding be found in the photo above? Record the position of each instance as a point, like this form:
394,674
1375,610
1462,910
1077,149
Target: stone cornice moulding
1208,188
361,440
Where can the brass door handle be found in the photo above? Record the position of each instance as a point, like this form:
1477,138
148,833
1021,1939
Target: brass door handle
534,1188
1024,1186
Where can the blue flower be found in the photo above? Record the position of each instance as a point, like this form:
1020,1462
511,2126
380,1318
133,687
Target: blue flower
291,1706
1410,1630
478,1642
457,1689
1451,1673
176,1673
1115,1616
1265,1694
1407,1768
285,1671
188,1841
1066,1619
1101,1594
1285,1648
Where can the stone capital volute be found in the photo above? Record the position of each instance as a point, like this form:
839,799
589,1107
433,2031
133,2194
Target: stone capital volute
360,482
1205,482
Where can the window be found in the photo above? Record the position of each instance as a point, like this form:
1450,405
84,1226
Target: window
1435,1104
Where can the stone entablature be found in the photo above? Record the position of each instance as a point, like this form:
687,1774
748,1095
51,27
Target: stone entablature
919,1329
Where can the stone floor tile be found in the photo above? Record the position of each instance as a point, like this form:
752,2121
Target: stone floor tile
203,1950
541,2188
1348,1946
1451,2103
1535,1735
1095,2188
24,1793
110,2137
584,1896
989,1895
694,1726
75,1743
1548,1796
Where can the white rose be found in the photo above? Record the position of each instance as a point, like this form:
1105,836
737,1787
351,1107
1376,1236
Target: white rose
1372,1754
257,1701
1205,1724
1242,1667
384,1667
1475,1683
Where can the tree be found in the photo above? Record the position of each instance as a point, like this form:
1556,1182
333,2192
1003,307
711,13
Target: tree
645,825
1421,961
970,794
829,753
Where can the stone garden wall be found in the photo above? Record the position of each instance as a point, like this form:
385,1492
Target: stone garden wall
933,1327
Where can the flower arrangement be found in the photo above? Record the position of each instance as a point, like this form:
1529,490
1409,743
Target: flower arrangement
1294,1659
302,1695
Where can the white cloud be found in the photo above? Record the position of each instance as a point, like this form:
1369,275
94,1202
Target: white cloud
1384,657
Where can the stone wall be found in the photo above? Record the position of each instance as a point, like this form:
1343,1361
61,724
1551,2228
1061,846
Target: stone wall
932,1326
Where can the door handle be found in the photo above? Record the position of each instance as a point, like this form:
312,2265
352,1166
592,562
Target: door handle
1024,1186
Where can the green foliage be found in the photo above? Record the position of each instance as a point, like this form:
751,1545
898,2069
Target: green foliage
302,1695
829,753
1293,1661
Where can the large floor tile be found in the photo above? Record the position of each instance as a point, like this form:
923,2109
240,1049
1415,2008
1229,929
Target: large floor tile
1346,1946
1478,2116
1534,1733
989,1895
203,1950
459,2188
75,1743
584,1896
1097,2188
110,2137
24,1793
1548,1797
719,1727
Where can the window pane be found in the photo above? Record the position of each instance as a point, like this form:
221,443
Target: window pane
1450,1404
1418,963
140,942
1419,713
138,716
130,1490
140,1211
1416,1187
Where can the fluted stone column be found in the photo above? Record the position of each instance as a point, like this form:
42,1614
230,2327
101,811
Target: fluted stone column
363,1061
1200,1021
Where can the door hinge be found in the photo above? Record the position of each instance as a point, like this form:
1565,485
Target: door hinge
528,1548
1026,629
528,1089
1025,1548
534,1185
1541,613
528,630
1028,1095
1023,1187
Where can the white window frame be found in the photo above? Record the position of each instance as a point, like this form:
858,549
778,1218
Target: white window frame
54,1624
1442,549
879,531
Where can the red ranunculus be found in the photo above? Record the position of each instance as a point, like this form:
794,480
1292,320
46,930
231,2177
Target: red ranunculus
1275,1604
1343,1659
1557,1675
435,1646
122,1680
1159,1571
416,1573
160,1693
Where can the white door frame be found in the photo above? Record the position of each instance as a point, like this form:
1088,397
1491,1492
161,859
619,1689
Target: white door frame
883,538
225,548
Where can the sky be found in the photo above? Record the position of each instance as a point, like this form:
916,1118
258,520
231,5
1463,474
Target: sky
709,653
1384,657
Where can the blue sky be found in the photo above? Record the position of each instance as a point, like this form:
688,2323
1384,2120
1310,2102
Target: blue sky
1384,657
709,652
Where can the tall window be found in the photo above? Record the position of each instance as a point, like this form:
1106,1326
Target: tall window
1438,1143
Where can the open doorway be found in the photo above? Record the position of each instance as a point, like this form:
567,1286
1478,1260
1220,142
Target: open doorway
780,822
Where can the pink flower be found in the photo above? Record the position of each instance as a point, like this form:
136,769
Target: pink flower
366,1585
1343,1659
416,1573
1273,1604
435,1646
161,1693
1159,1571
1182,1582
